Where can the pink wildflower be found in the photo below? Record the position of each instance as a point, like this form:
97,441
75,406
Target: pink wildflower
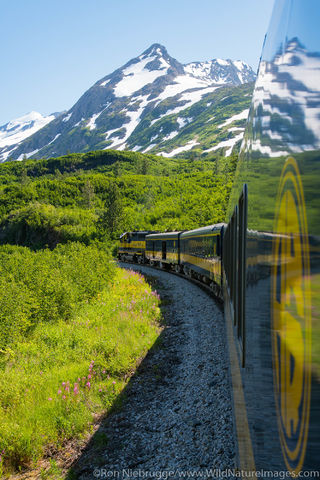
50,399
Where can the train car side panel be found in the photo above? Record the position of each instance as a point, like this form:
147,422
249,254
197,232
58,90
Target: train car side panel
279,354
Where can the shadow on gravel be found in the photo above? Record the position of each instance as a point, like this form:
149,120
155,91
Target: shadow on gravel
104,447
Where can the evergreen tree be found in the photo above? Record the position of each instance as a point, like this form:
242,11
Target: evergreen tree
111,218
24,177
88,194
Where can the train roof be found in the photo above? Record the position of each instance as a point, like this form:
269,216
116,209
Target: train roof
145,232
166,235
203,230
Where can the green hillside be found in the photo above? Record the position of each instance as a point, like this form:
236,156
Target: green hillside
95,196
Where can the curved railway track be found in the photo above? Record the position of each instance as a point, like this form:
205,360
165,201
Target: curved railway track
177,415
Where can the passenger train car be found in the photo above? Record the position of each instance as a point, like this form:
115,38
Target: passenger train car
201,255
272,253
164,249
266,257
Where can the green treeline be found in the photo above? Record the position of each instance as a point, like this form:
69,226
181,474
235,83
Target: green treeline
95,196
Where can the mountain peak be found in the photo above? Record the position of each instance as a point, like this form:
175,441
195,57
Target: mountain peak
155,49
136,97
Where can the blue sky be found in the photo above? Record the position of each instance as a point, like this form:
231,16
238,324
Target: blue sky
52,51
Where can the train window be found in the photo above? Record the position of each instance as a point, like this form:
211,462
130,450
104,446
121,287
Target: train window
242,237
164,250
234,261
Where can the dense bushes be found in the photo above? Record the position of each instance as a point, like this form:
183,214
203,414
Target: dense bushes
39,225
45,286
56,377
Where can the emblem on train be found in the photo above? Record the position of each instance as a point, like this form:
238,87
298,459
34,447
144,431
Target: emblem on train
291,317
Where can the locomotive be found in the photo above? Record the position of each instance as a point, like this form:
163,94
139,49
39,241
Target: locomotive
265,259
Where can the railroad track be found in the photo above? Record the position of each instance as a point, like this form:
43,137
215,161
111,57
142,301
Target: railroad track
177,414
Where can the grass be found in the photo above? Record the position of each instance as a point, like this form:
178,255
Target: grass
55,378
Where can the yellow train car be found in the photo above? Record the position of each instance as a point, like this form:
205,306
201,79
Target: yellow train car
201,253
164,249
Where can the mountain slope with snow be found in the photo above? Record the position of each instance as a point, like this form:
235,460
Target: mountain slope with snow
17,130
148,91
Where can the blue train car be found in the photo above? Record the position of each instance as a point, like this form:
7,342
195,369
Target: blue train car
272,253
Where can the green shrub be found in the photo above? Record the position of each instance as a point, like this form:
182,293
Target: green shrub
45,286
54,379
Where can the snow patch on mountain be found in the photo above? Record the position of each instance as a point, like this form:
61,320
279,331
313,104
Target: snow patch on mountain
187,98
92,121
67,117
183,121
149,148
27,155
178,150
181,84
226,143
55,138
137,76
103,84
239,116
78,123
170,136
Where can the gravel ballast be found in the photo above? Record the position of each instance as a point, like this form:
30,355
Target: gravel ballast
177,416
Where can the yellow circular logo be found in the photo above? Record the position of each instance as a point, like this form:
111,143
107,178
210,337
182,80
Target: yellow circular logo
291,317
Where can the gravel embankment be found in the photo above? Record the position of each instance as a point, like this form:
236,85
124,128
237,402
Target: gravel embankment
177,415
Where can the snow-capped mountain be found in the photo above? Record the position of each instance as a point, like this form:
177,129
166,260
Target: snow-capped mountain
17,130
133,107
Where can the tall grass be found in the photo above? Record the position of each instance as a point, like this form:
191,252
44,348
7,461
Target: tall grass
82,324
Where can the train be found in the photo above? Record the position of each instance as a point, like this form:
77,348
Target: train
264,260
195,253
